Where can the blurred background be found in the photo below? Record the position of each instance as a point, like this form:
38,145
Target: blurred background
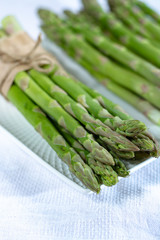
26,10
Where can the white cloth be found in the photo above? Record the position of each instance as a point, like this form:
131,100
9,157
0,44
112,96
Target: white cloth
34,204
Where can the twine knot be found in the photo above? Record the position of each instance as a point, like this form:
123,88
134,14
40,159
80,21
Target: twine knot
34,60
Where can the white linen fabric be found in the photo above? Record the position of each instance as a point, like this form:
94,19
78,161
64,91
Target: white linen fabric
35,204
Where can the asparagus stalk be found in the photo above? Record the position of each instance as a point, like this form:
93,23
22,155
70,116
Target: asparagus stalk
125,36
135,26
44,127
113,108
106,173
117,154
119,53
51,107
130,10
148,10
120,168
95,126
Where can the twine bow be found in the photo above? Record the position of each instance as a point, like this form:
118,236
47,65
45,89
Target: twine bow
31,59
36,61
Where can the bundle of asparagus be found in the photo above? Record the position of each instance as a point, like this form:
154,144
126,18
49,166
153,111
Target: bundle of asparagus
89,133
74,32
95,37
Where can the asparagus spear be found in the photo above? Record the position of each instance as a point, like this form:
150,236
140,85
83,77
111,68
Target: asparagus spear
119,53
95,126
125,36
98,168
130,22
107,175
135,26
113,108
139,16
119,167
148,10
117,154
49,105
41,124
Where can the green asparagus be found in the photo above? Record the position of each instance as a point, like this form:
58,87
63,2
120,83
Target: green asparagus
130,10
99,164
69,41
76,110
119,53
133,24
130,127
106,172
44,127
108,21
148,10
79,113
85,20
142,105
49,105
113,108
98,167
